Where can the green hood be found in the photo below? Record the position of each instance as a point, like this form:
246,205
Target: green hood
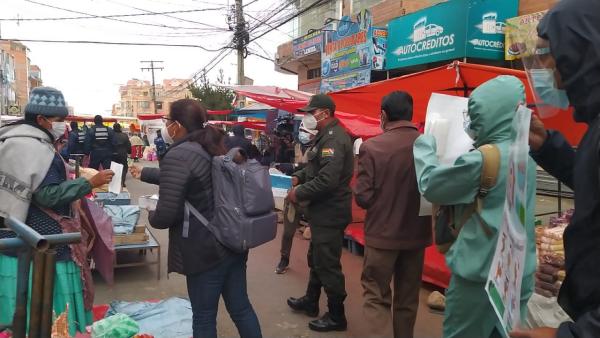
492,107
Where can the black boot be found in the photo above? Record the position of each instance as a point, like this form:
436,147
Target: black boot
334,320
307,304
282,267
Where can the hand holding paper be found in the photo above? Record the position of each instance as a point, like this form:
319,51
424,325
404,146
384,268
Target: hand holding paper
115,184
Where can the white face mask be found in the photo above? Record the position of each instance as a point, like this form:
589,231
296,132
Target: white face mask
306,135
309,122
165,134
58,129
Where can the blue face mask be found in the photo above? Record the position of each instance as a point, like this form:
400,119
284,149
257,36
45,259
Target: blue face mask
544,85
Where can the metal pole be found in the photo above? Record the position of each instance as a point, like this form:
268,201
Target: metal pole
30,236
37,287
20,317
48,294
12,244
559,198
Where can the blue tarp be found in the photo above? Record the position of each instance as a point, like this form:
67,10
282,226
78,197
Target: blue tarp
170,318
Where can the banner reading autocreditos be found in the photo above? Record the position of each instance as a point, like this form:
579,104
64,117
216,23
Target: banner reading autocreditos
422,46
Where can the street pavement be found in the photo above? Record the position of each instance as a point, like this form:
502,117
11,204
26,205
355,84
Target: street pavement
268,291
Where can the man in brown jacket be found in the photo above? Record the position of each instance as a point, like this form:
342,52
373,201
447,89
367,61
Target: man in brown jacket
395,235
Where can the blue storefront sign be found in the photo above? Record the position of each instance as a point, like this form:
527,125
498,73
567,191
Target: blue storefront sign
346,55
308,44
487,27
450,30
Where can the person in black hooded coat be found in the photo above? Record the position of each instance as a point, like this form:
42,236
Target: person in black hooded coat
572,29
238,140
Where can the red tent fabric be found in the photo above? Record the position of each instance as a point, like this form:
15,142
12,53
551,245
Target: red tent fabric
457,78
219,112
147,117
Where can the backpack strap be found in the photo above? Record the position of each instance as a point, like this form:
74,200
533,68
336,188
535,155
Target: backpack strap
489,177
189,208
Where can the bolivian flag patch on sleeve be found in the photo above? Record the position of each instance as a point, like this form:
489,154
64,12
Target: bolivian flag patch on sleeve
327,152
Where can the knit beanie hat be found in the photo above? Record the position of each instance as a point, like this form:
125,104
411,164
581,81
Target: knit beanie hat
46,101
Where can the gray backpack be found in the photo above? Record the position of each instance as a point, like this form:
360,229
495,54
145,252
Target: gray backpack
244,216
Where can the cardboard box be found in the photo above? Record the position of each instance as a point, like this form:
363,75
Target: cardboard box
138,236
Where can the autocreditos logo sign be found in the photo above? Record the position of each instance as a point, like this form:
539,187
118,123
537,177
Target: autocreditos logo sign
450,30
433,35
487,27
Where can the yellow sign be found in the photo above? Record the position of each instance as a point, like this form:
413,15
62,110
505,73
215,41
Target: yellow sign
520,33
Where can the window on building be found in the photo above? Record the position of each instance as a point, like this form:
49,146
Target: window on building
313,73
315,18
145,104
144,93
159,105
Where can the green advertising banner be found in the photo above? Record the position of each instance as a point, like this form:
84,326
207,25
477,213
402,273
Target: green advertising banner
487,27
450,30
433,34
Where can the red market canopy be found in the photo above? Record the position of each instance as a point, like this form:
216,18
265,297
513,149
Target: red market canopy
246,124
457,78
290,100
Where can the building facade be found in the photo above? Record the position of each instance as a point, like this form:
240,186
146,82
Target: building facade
8,94
15,68
35,77
136,97
317,39
19,53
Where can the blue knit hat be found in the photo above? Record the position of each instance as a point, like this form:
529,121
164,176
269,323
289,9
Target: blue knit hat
46,101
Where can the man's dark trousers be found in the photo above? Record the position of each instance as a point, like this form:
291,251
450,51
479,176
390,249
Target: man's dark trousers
324,254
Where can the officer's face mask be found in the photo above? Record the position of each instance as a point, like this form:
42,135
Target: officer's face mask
305,134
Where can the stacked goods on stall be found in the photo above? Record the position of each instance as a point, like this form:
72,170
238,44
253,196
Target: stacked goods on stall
124,216
551,256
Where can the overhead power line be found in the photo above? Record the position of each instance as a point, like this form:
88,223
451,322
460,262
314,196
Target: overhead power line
111,15
116,43
166,14
113,19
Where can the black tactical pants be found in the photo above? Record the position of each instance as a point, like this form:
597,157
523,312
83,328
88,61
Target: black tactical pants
324,254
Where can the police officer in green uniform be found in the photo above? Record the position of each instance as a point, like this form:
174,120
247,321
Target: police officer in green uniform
325,184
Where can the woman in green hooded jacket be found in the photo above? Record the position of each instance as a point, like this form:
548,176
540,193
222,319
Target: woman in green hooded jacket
491,109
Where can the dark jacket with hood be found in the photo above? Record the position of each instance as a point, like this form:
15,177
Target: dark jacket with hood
573,29
185,175
238,140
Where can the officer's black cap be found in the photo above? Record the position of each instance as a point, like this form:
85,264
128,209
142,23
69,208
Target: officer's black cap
319,101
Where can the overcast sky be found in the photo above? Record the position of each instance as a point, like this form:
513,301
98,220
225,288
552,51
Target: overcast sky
90,75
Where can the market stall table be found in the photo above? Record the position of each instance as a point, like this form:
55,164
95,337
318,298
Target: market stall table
151,244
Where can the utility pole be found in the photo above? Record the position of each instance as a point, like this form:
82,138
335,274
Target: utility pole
241,39
151,69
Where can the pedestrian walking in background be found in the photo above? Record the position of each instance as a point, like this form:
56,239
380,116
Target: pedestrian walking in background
325,183
238,140
76,145
43,198
122,147
137,147
292,212
161,145
184,175
395,235
99,144
491,111
564,70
